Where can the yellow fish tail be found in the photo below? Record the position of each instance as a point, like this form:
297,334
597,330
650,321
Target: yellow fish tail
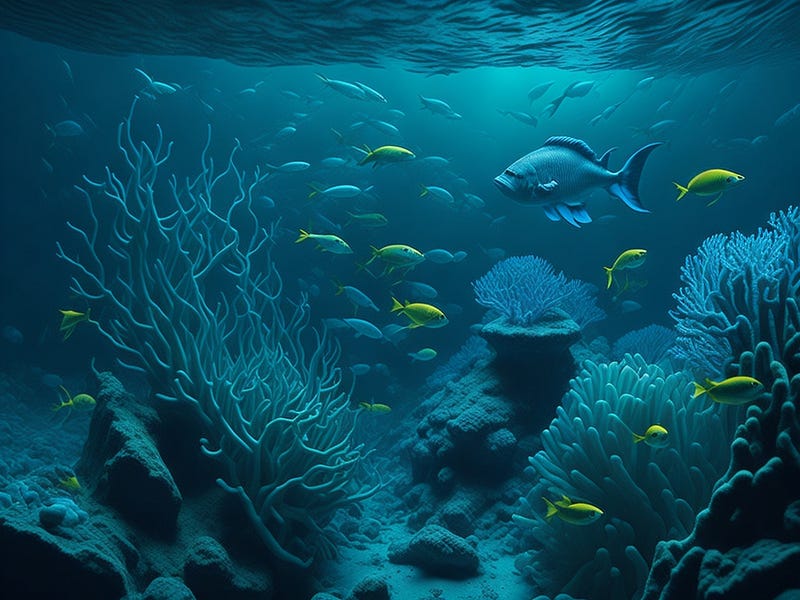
424,191
365,405
699,390
339,287
552,511
396,305
682,190
609,273
637,438
304,235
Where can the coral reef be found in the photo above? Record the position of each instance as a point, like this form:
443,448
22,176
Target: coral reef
745,543
648,494
653,343
524,288
738,291
192,299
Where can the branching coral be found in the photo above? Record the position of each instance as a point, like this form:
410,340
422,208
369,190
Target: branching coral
741,290
653,342
647,494
192,298
524,288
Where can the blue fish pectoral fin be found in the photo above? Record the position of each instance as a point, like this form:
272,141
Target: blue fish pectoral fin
566,213
626,186
580,214
551,213
546,188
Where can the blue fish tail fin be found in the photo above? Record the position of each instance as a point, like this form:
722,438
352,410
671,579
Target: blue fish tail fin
626,186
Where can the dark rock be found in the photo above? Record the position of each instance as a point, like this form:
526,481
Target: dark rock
167,588
551,335
438,551
371,588
211,574
38,563
121,463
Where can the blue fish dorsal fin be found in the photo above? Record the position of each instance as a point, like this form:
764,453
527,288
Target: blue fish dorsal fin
578,146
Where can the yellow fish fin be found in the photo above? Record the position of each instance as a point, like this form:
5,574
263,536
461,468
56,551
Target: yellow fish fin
683,190
699,390
710,383
552,511
314,190
396,305
714,201
637,438
609,273
424,191
304,235
365,405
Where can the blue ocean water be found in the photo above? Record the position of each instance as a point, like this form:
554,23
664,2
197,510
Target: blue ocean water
307,92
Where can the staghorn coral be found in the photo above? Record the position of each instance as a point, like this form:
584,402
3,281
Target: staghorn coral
647,494
191,298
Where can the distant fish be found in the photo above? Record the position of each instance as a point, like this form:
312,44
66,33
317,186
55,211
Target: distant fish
645,84
423,355
439,256
294,166
365,328
788,116
437,192
576,89
629,306
520,116
360,369
557,174
368,220
326,242
345,88
335,191
386,154
67,128
657,129
538,91
12,335
358,298
420,314
375,408
439,107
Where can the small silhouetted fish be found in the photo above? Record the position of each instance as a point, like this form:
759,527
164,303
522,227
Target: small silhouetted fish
67,129
12,335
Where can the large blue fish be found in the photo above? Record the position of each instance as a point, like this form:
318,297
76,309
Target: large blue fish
563,170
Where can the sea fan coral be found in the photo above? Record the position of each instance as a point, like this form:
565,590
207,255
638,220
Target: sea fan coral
647,494
738,291
653,343
524,288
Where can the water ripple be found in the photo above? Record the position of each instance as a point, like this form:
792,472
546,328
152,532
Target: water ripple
434,36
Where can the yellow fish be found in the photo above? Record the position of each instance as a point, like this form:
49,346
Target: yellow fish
386,154
421,314
376,408
326,242
708,183
70,320
630,259
733,390
70,483
78,402
396,256
367,219
576,513
655,436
